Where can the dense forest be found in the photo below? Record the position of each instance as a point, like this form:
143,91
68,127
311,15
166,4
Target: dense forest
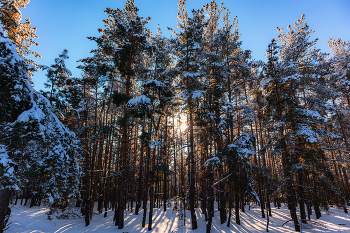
175,123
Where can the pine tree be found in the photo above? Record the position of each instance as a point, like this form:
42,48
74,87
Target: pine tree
35,146
158,87
276,102
214,43
337,81
339,78
189,52
57,77
298,111
19,32
120,51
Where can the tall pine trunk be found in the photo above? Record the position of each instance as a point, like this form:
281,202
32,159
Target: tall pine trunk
192,175
139,190
5,210
151,199
301,197
124,155
290,190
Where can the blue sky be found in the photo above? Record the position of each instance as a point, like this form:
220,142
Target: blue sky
65,24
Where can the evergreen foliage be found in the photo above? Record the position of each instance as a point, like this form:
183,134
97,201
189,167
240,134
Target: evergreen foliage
39,155
19,32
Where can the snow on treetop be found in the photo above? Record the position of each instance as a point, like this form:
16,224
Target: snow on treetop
142,99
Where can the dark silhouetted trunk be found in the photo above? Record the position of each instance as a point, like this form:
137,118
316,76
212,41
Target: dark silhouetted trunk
301,197
238,221
5,211
151,199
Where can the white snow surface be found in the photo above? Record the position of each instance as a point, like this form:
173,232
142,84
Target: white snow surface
34,220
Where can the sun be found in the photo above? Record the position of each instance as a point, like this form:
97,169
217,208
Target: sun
183,126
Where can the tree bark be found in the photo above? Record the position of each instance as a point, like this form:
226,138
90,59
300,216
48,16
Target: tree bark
301,198
238,221
5,210
151,200
139,190
291,205
210,206
192,176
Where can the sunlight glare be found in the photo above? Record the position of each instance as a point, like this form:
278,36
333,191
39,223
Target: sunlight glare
183,126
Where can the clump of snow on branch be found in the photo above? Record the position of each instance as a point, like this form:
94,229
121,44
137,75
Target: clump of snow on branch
244,145
155,83
305,131
212,161
141,100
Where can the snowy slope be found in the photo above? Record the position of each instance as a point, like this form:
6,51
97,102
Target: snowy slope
34,220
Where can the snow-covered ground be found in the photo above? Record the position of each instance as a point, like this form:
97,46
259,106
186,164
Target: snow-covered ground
35,220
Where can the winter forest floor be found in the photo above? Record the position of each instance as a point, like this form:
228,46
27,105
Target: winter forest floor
35,220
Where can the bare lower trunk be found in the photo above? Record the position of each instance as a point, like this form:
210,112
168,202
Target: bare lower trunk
151,197
229,209
301,198
121,204
145,196
316,201
223,216
139,190
268,205
210,207
192,194
238,221
261,202
291,204
145,199
165,192
5,211
267,220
